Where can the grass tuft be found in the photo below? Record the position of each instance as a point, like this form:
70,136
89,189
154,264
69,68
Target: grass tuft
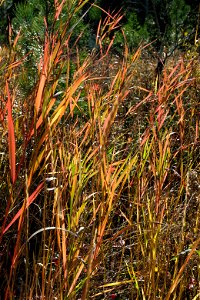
100,173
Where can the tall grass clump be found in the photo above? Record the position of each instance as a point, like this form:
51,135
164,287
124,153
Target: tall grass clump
99,172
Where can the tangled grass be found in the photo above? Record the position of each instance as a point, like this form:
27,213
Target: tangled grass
100,174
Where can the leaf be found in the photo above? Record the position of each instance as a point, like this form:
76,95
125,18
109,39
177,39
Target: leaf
29,201
11,138
43,78
198,252
58,8
40,120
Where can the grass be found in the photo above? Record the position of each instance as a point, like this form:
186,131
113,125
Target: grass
99,174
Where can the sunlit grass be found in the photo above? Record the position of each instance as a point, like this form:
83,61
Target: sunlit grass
99,175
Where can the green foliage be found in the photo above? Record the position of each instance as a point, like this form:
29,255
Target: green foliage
134,33
163,21
179,13
4,14
30,21
95,13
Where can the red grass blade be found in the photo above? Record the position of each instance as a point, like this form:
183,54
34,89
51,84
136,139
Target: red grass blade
29,201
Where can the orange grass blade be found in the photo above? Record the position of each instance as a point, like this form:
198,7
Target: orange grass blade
11,138
178,277
60,110
43,78
77,275
112,114
58,8
41,118
135,107
64,249
37,159
40,93
29,201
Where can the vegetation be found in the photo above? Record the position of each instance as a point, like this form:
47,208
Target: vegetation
99,164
